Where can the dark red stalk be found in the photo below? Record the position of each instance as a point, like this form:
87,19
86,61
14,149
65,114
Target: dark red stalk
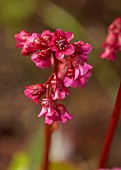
45,165
111,131
49,128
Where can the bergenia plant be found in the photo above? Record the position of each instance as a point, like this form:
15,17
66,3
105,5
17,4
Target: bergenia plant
70,70
112,44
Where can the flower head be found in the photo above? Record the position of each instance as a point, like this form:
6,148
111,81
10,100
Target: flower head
60,43
49,48
34,92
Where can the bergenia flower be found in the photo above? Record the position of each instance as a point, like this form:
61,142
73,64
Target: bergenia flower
73,76
112,43
60,43
33,43
83,80
42,59
70,67
34,92
69,78
47,36
58,90
21,38
81,51
64,115
82,69
53,111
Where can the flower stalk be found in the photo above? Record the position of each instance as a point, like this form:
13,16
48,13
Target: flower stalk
111,131
48,132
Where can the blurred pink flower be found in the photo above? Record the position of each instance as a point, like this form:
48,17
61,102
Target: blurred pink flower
112,43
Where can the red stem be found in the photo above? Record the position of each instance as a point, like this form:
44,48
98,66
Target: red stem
111,130
45,165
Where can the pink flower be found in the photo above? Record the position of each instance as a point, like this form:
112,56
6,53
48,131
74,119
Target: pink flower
58,90
42,59
83,80
33,43
60,43
112,42
47,35
115,26
64,115
81,51
34,92
75,77
81,70
21,38
109,53
69,78
53,111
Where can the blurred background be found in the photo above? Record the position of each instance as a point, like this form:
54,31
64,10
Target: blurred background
78,143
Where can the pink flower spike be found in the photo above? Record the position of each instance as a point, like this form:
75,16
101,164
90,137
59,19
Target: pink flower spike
21,38
60,43
112,43
41,59
34,92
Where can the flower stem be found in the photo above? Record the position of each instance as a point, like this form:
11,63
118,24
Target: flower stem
45,164
111,130
49,128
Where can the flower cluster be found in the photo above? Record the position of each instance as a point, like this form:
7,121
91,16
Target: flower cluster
112,42
70,69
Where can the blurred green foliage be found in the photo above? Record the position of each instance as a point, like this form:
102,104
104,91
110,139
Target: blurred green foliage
14,12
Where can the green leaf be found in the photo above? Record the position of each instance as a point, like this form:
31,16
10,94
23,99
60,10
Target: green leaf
20,161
